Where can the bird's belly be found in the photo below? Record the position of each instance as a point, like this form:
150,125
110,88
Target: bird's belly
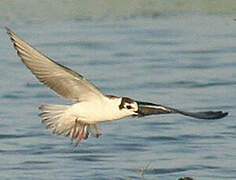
93,113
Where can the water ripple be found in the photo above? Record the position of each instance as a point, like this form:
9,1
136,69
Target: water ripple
145,54
81,44
166,170
12,136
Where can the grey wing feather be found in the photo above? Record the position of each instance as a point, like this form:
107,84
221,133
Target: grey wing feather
204,114
146,109
61,79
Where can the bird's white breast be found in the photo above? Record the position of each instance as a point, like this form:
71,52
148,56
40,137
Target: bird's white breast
98,111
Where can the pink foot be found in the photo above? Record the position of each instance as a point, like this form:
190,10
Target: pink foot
82,134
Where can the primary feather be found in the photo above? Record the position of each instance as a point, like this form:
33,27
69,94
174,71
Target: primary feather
61,79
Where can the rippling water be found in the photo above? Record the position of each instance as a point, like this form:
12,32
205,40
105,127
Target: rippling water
186,62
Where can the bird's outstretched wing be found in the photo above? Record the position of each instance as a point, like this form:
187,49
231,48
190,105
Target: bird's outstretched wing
61,79
146,109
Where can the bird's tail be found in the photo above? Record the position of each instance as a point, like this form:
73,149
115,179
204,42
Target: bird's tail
61,122
57,118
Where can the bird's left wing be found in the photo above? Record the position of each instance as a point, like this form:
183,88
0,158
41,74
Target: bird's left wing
61,79
146,109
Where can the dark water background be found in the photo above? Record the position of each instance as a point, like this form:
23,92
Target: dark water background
185,61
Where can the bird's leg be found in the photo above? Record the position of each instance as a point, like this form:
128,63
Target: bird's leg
86,133
82,134
98,132
74,133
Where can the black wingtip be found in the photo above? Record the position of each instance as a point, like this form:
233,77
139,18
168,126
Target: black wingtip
218,114
208,115
10,33
211,115
8,30
223,114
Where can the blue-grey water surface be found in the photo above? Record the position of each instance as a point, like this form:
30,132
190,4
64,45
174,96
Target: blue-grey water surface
187,62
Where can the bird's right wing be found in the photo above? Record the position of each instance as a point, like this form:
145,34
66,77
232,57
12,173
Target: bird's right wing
146,109
61,79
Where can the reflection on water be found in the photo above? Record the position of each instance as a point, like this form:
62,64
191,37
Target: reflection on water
173,61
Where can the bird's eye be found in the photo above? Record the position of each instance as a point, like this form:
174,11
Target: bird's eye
128,107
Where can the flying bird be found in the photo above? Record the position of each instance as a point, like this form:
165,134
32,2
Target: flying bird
91,106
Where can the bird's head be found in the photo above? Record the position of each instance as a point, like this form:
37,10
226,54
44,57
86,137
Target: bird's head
128,106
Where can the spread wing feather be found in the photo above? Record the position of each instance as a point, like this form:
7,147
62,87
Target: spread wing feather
146,109
61,79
